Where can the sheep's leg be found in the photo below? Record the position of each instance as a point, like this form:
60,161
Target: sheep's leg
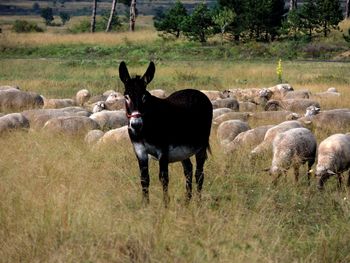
296,173
188,171
164,178
201,156
339,180
322,181
275,180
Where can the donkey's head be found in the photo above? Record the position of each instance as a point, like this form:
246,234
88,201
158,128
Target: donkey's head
136,94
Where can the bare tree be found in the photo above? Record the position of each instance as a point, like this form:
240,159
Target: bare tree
132,15
93,17
109,24
293,4
347,9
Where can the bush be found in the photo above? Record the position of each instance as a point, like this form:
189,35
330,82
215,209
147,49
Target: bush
101,24
23,26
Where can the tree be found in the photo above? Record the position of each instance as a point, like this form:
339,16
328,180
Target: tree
241,8
109,23
309,19
132,15
198,26
223,18
171,20
293,4
330,14
47,14
65,17
93,16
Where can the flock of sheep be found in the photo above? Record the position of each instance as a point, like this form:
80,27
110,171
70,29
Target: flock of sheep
102,119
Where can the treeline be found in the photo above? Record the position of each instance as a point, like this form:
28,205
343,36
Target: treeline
260,20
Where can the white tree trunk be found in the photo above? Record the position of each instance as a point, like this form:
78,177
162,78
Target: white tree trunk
293,4
93,17
108,28
132,15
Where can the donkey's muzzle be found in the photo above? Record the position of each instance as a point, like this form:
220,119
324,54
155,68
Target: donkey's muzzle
136,123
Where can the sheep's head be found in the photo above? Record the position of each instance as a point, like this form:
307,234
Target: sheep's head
99,106
312,110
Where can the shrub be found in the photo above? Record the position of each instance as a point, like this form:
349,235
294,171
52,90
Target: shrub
23,26
101,24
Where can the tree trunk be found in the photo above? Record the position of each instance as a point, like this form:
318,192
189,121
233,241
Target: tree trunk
293,4
109,24
132,15
93,17
347,9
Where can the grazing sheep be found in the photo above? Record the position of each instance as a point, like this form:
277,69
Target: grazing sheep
331,121
110,119
292,116
280,90
13,121
115,102
327,95
228,130
220,111
93,136
226,103
246,106
37,118
82,97
158,93
332,89
257,96
248,139
266,144
58,103
243,116
70,125
115,136
294,105
16,100
99,106
7,87
109,92
97,98
297,94
293,148
269,117
333,158
214,94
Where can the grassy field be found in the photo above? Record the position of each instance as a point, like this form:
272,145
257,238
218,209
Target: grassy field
61,201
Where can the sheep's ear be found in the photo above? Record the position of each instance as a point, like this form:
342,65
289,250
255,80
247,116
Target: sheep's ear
148,76
123,72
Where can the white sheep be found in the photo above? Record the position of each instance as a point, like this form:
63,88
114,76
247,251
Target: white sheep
333,158
110,119
82,97
230,103
13,121
228,130
266,144
293,148
70,125
58,103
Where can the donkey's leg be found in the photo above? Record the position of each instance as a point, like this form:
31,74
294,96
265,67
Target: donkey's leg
143,164
201,156
188,171
164,178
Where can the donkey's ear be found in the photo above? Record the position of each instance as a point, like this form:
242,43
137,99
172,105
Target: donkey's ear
148,76
123,72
